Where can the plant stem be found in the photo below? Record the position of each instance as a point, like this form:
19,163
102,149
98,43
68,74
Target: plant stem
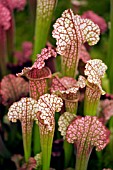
110,50
81,162
43,20
90,107
99,156
91,101
46,147
68,150
36,138
71,107
70,72
27,135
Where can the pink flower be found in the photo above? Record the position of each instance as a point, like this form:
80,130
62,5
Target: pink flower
30,165
96,19
13,88
7,3
5,17
24,55
18,4
16,158
109,96
106,109
27,48
5,24
14,4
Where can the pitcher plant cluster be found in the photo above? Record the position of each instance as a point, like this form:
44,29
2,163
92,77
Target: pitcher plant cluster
36,95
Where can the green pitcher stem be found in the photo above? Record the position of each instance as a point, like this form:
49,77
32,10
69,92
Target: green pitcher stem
81,162
46,147
36,139
91,101
27,136
69,72
71,106
90,107
68,150
109,59
43,20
